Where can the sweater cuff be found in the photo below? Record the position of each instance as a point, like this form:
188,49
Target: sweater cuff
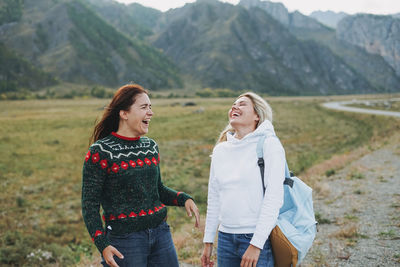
208,237
182,197
257,242
101,243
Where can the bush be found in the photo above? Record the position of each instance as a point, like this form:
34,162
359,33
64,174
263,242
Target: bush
98,91
219,92
330,172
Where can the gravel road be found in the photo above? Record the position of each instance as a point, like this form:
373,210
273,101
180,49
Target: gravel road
359,212
342,106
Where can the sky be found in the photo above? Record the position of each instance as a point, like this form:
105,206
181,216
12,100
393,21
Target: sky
304,6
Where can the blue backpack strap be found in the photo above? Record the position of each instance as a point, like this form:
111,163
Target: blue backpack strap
261,164
260,156
287,172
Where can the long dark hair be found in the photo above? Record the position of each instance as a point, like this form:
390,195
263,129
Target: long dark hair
122,100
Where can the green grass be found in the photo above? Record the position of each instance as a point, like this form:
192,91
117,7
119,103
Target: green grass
391,234
356,175
321,220
43,144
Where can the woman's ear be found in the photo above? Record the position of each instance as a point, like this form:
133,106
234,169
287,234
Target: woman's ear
122,115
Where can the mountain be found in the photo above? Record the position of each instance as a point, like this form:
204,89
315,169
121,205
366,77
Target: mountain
329,18
255,45
69,40
378,72
378,35
17,73
278,11
10,11
230,46
134,19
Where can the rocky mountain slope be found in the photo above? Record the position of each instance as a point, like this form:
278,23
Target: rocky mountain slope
255,45
17,73
69,40
329,18
378,35
215,42
378,72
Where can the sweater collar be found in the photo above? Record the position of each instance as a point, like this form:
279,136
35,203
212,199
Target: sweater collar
266,128
125,137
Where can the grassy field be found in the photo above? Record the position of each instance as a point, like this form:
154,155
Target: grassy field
43,144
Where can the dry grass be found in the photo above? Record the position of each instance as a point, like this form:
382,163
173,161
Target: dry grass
322,189
337,162
348,231
189,242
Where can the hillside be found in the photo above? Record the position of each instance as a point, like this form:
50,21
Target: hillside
291,20
378,35
70,41
329,18
17,73
215,42
255,45
10,11
134,20
377,72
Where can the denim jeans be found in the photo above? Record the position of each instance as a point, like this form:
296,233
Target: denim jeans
231,248
151,247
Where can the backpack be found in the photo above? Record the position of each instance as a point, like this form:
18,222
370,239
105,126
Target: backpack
295,230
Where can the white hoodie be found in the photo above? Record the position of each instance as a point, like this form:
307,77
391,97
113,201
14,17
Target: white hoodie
235,195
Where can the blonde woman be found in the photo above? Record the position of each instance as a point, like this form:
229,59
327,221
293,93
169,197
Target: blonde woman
236,204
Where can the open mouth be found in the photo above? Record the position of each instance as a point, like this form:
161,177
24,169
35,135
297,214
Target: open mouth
146,122
235,114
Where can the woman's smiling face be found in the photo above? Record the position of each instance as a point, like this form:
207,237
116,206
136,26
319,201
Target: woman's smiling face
138,116
242,113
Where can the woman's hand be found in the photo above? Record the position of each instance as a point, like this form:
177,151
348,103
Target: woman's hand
108,255
250,257
190,207
206,257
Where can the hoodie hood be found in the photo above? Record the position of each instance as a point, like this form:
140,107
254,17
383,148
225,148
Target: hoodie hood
266,128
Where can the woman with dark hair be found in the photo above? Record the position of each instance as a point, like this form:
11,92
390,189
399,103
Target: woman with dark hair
121,173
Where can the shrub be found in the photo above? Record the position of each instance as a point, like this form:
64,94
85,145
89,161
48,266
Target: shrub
98,91
330,172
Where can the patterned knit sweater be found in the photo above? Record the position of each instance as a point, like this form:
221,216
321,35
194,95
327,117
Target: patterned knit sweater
123,176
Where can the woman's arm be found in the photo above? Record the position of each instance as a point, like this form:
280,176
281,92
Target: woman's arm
212,207
93,177
274,175
211,219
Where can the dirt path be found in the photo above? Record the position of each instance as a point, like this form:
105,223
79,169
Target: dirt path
359,213
342,106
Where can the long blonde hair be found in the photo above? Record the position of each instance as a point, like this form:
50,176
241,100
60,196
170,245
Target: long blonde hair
261,107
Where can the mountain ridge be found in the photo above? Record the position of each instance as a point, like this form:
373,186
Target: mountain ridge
264,52
254,45
69,40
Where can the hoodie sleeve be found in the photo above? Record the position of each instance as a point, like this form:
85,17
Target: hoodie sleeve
212,208
274,176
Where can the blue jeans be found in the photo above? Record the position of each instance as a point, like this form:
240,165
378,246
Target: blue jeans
151,247
231,248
